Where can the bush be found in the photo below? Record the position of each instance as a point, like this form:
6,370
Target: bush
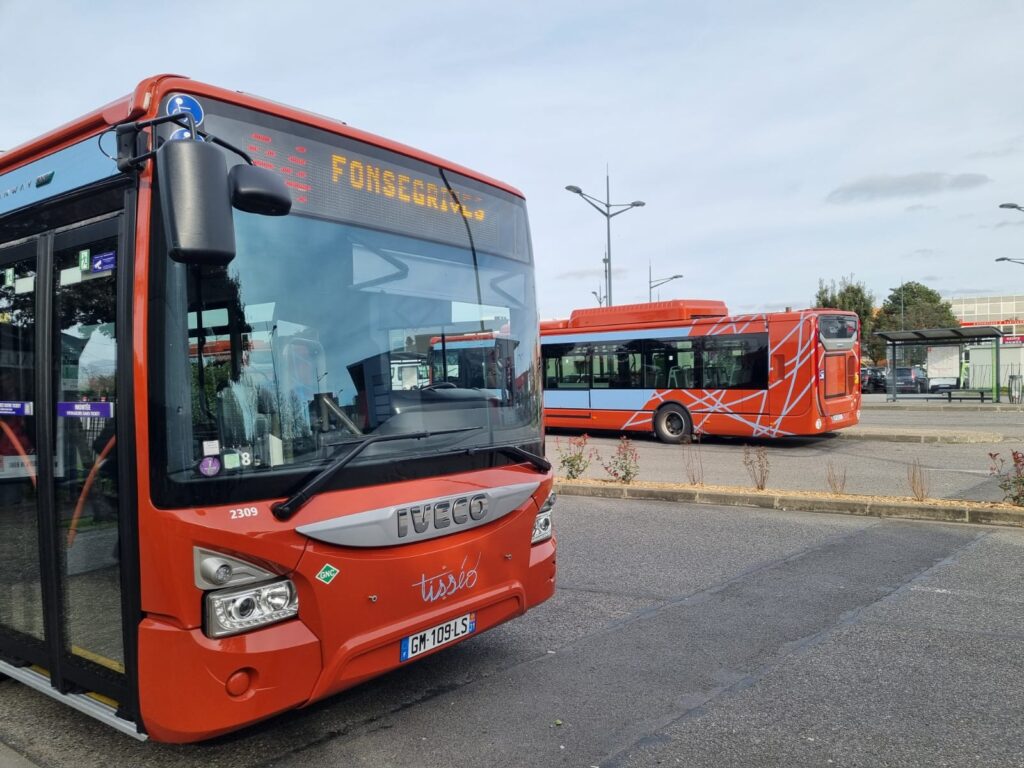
917,480
756,462
693,461
835,476
574,459
624,465
1011,482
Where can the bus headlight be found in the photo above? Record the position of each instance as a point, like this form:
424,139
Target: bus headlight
239,609
542,522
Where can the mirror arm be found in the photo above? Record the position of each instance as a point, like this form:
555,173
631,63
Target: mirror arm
128,135
131,157
230,147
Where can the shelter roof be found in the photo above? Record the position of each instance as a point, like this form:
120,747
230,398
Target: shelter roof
936,336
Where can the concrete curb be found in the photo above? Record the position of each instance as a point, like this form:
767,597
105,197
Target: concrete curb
997,407
887,435
983,513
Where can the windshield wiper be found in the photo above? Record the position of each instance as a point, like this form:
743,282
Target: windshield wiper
516,452
284,510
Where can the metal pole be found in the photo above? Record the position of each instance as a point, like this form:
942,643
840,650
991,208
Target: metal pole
608,221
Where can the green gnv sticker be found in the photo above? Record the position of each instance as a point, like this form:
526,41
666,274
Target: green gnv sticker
327,573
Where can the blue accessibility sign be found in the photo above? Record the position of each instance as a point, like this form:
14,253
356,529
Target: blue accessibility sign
181,103
183,134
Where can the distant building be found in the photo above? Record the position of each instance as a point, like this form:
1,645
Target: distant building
1004,312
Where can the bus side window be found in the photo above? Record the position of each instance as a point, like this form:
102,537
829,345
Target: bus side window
566,366
737,361
669,364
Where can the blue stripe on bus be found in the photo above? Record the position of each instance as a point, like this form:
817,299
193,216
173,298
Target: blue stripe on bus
55,174
598,399
566,398
639,333
619,399
489,343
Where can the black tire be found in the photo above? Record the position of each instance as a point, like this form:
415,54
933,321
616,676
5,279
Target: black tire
672,424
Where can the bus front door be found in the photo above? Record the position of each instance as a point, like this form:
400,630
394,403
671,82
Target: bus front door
61,615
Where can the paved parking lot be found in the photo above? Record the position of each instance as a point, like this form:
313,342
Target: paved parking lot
872,466
680,635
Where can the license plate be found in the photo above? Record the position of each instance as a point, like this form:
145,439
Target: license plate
435,637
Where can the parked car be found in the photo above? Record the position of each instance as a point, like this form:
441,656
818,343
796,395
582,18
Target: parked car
872,379
911,379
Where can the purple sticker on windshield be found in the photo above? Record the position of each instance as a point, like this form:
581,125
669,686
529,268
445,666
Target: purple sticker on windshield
101,410
15,408
209,466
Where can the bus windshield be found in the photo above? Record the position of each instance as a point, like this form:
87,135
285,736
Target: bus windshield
318,332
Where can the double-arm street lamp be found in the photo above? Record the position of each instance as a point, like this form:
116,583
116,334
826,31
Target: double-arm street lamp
606,209
1012,207
652,283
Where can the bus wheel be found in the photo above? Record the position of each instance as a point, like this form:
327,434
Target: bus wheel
672,424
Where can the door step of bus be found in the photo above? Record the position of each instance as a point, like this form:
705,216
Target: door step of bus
83,702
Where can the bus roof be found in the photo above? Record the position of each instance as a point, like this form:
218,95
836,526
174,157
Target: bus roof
640,314
148,94
665,313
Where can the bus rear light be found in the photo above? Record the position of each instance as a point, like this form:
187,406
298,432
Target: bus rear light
542,522
239,609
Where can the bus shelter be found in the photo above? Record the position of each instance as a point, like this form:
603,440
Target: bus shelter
944,337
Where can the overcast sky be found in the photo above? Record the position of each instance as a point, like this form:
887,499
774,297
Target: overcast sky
774,143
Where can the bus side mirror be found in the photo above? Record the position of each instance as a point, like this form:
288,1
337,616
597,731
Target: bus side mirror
257,190
192,178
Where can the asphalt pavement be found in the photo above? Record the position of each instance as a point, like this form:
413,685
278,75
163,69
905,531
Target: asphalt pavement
679,635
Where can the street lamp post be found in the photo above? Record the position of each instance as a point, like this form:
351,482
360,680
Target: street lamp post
1012,207
605,208
652,283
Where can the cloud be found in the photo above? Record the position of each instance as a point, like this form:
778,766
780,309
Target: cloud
923,252
919,207
579,274
969,292
1009,147
989,153
1002,224
910,185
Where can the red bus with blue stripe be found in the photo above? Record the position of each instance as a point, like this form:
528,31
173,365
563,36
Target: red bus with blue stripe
687,367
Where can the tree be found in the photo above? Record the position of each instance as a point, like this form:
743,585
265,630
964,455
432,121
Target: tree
853,297
912,306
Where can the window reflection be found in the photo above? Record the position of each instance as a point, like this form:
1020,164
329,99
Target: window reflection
318,333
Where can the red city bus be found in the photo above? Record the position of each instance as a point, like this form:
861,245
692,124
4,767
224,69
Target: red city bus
688,367
217,500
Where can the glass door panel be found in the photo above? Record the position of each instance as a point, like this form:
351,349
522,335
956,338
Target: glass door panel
85,263
21,599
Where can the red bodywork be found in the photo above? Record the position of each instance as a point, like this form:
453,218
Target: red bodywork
811,390
192,687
